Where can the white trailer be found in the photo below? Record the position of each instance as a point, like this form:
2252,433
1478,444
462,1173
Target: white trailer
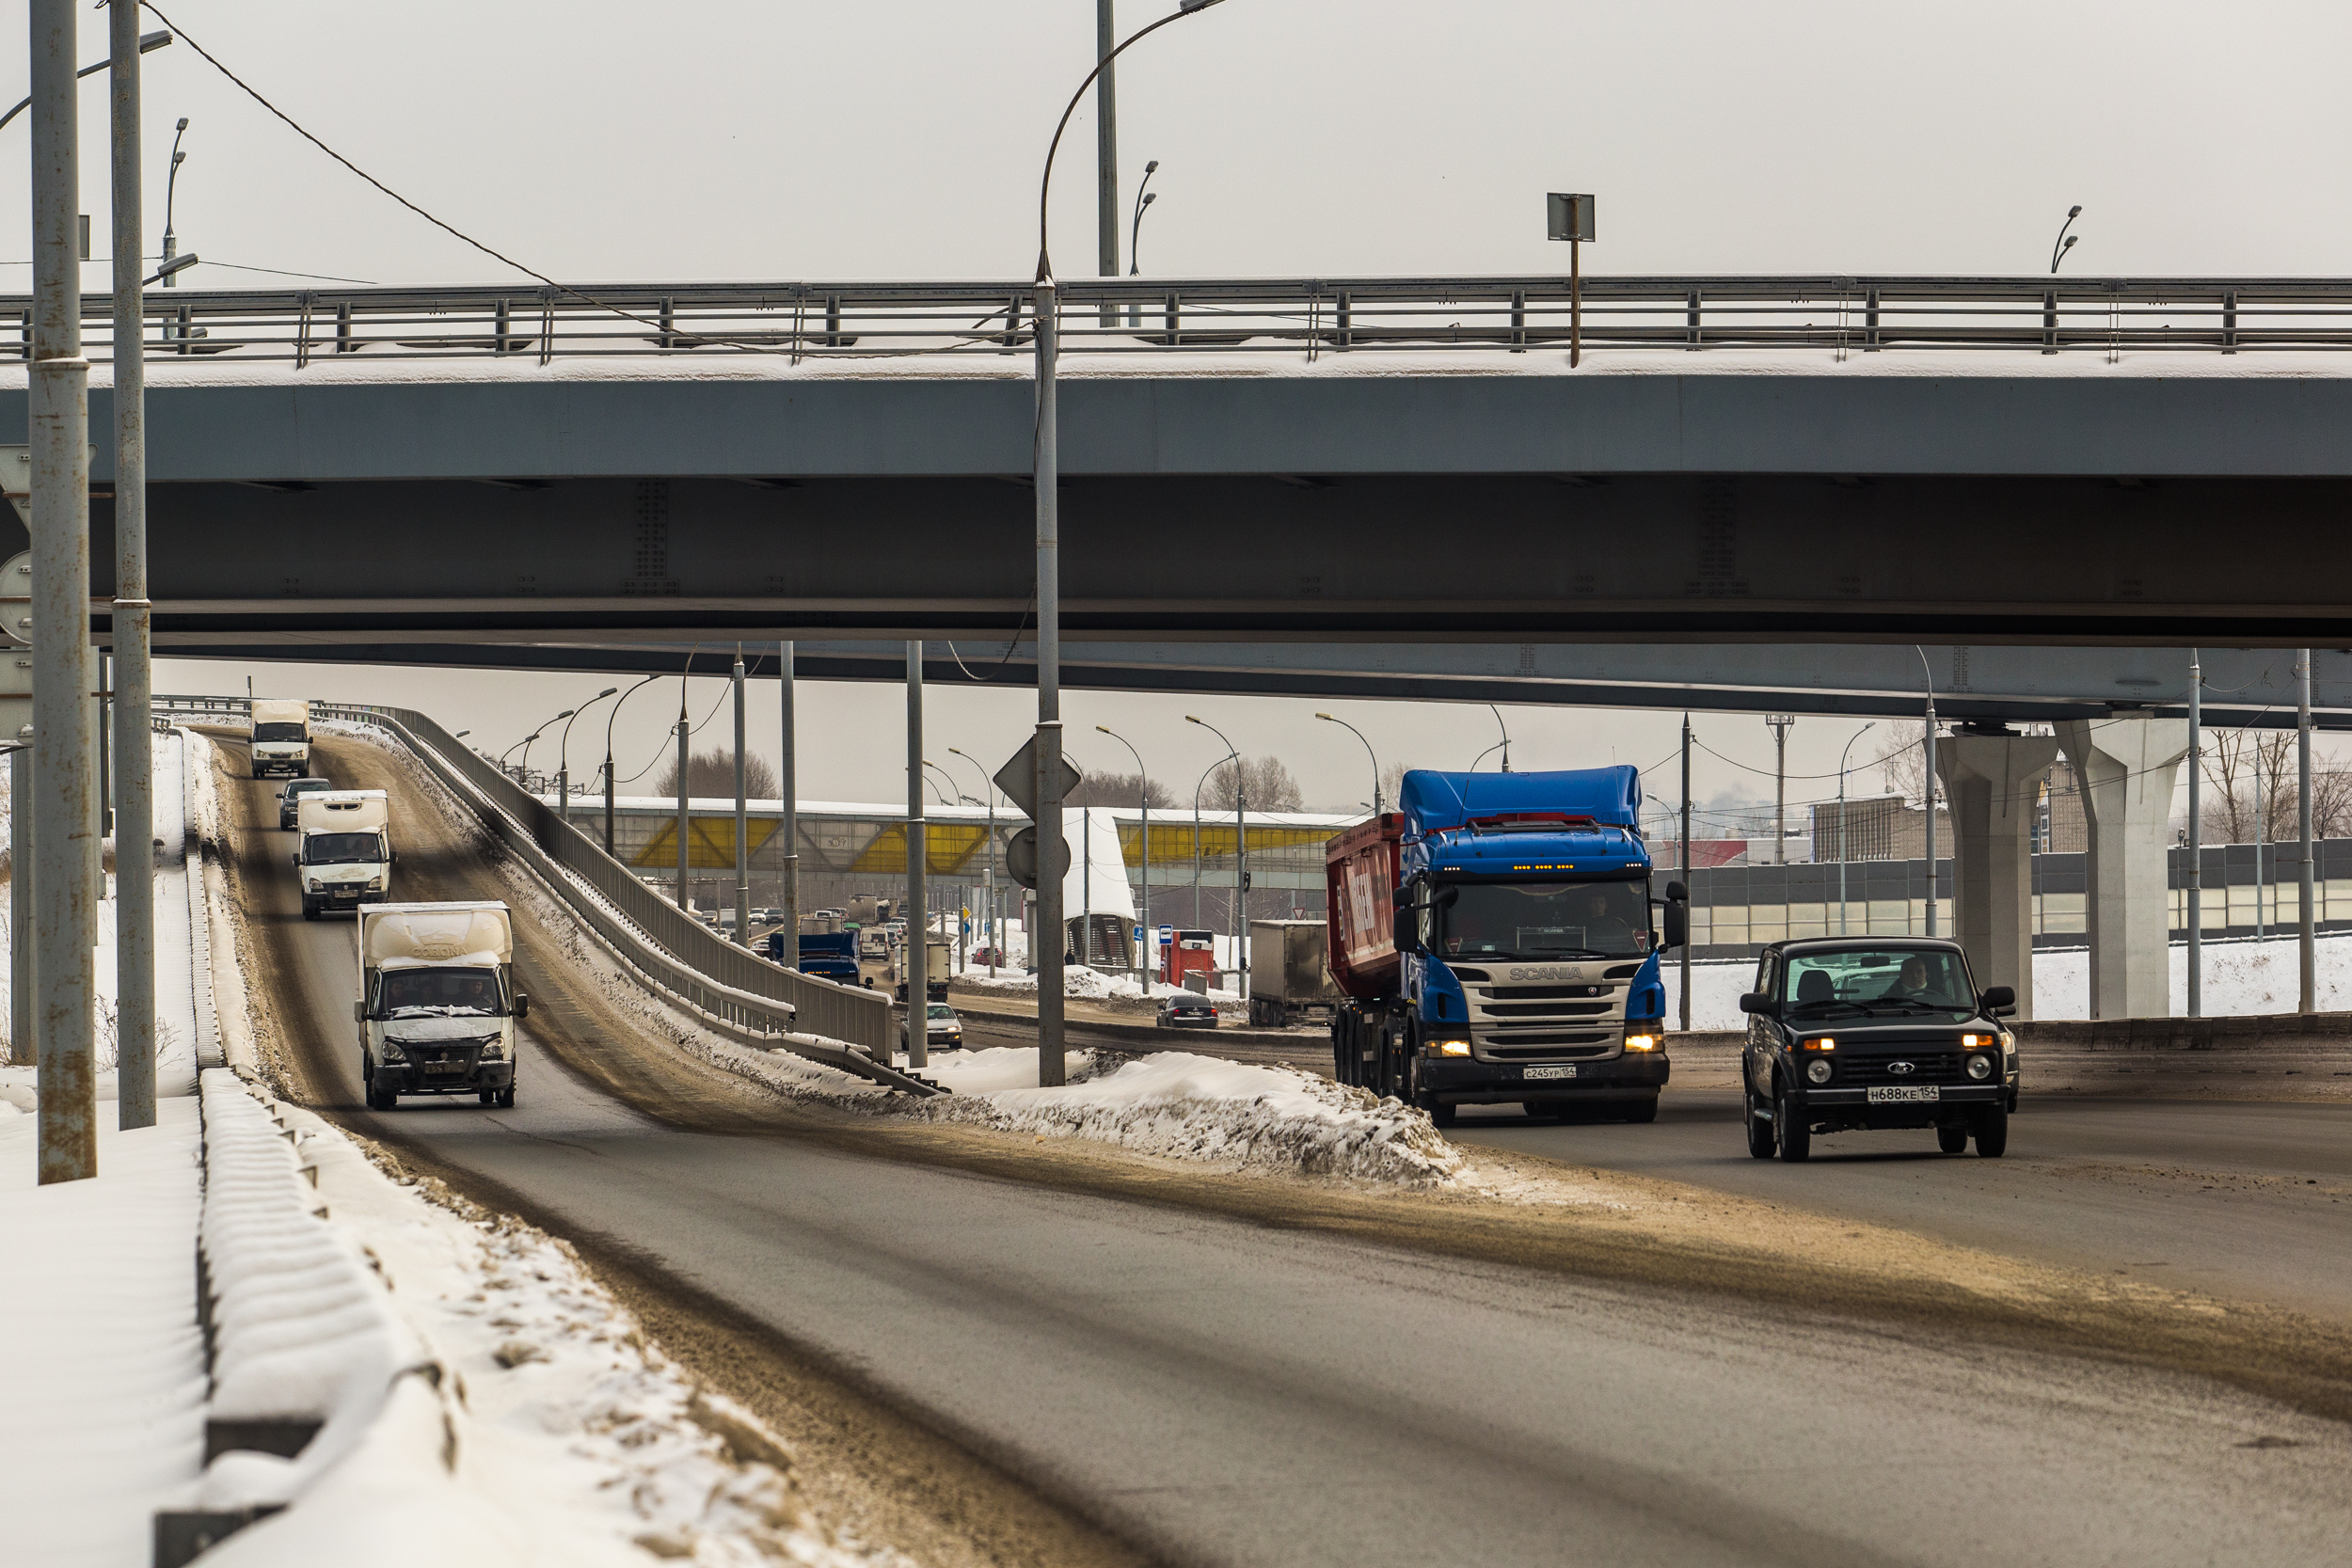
280,742
437,1006
345,856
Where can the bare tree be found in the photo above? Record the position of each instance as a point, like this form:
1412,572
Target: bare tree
1392,785
1269,784
1904,758
1118,789
711,774
2233,758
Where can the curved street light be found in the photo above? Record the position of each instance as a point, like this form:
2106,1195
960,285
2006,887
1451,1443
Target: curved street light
995,926
609,720
1143,802
564,755
1240,851
171,189
536,735
1045,479
1135,230
149,43
2065,241
1842,819
1368,751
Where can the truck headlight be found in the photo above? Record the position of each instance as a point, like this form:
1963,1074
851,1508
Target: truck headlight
1641,1043
494,1051
1454,1048
392,1053
1817,1070
1980,1067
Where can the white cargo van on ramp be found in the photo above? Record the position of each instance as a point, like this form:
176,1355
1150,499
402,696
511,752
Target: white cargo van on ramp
437,1006
346,857
281,736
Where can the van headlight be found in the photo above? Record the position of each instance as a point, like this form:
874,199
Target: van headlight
495,1050
392,1053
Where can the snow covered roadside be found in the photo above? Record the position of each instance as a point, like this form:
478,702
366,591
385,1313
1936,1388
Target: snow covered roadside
507,1409
1093,985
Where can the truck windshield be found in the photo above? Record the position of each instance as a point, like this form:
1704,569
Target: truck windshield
1825,982
341,848
1545,920
277,731
423,993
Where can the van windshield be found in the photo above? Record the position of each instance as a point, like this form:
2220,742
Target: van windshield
342,848
1545,920
277,731
427,992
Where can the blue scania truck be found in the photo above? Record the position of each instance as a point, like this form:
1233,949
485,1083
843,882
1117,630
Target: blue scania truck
1496,939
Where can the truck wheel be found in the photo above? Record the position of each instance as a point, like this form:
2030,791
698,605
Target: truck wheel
1444,1115
1759,1129
506,1098
1952,1139
1992,1132
1642,1110
381,1099
309,909
1791,1137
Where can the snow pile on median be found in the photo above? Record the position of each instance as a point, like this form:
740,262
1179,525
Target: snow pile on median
1172,1103
1079,980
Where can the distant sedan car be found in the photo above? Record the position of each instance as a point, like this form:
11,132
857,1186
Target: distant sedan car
290,798
942,1028
1187,1011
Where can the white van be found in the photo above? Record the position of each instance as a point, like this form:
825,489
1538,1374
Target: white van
345,859
437,1006
281,738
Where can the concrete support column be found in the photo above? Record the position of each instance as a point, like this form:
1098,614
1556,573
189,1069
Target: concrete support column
1992,785
2128,766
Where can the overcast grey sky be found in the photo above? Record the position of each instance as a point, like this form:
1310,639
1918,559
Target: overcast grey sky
788,139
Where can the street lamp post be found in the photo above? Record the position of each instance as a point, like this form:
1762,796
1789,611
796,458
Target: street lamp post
1368,751
1842,819
1143,802
609,720
2065,242
995,933
1780,724
524,746
149,43
171,189
1241,856
1135,237
1930,789
1045,477
524,778
564,755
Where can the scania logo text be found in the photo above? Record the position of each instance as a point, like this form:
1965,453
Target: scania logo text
1543,975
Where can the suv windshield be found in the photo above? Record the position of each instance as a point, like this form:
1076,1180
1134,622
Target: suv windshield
423,993
277,731
1876,980
307,786
1545,920
341,848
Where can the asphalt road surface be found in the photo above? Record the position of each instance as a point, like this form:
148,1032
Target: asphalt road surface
1221,1392
2249,1199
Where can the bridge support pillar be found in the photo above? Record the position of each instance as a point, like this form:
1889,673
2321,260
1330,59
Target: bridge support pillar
1990,783
2127,767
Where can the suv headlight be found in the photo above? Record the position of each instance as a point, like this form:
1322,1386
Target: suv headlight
1819,1069
1980,1067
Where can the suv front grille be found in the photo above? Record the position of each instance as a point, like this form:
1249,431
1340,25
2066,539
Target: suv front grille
1928,1067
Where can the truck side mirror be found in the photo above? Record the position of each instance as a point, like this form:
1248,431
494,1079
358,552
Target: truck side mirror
1757,1002
296,858
1677,923
2000,999
1677,894
522,1004
1407,934
359,1012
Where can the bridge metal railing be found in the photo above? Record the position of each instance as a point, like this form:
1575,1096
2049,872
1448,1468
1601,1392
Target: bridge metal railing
683,957
876,322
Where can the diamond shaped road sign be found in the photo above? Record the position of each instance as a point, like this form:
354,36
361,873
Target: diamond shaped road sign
1018,779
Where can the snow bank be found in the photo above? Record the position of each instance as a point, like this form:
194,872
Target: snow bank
102,1420
1088,984
1175,1104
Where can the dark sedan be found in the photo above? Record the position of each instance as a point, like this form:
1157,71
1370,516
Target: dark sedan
1187,1011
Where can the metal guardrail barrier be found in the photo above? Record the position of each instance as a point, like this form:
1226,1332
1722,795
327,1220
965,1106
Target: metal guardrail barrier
723,980
883,321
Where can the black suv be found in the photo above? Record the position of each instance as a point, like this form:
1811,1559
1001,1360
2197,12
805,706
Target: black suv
1860,1032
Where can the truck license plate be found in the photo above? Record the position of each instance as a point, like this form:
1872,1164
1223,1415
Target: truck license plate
1547,1072
1905,1095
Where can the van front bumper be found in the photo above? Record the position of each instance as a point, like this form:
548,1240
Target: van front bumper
425,1077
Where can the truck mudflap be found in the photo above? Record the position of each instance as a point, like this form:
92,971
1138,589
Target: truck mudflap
1460,1082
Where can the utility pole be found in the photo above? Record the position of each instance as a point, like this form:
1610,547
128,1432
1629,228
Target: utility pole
685,733
1105,154
1930,785
918,919
1046,933
742,819
2196,841
2308,951
23,919
788,785
135,670
1686,864
2259,823
1780,723
65,927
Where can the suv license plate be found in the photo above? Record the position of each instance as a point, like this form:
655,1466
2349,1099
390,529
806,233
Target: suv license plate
1905,1095
1547,1072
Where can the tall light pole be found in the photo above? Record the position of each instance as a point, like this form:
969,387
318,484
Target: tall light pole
564,755
2065,242
132,621
1930,674
609,720
788,787
1045,475
995,933
2308,951
2196,880
1241,855
523,746
1135,237
1143,801
1503,745
65,928
1368,751
1842,819
1780,724
172,190
525,779
742,820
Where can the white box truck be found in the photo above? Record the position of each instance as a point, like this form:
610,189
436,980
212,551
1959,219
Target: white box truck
345,858
281,738
437,1006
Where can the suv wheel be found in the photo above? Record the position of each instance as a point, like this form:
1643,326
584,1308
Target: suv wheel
1952,1138
1992,1132
1792,1137
1759,1127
